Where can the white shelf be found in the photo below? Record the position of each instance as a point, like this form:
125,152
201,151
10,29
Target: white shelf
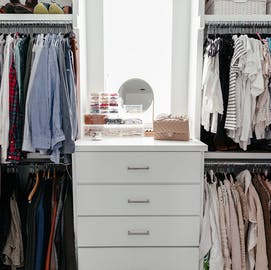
36,17
238,18
236,155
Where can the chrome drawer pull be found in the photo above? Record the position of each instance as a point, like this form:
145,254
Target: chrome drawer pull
138,168
138,233
138,201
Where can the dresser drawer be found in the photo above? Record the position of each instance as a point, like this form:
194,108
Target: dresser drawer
139,259
138,167
138,231
138,200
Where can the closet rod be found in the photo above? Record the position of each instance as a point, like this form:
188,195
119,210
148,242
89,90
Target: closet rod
32,27
32,161
238,27
35,22
239,23
238,163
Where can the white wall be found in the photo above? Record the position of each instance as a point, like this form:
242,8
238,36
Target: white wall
95,48
180,56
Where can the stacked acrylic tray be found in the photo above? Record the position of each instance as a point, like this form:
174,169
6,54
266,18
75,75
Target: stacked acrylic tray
104,103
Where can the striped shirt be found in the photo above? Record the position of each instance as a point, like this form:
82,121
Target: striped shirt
239,51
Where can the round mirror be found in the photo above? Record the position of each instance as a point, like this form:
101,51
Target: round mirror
136,92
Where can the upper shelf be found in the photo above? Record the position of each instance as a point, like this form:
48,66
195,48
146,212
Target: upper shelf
239,18
36,17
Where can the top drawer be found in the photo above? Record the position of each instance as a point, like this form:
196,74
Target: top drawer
137,167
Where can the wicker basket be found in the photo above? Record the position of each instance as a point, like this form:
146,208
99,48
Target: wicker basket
268,7
209,6
236,7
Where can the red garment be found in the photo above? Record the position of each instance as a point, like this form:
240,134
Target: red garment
14,154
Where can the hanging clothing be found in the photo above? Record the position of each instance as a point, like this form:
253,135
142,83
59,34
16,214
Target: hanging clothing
38,103
262,117
205,236
245,92
244,222
14,153
223,203
27,137
212,101
256,244
265,199
48,225
235,247
13,251
240,225
4,100
216,257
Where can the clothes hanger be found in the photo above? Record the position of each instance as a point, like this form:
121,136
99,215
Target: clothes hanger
33,191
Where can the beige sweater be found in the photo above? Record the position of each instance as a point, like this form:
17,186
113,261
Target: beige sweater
256,245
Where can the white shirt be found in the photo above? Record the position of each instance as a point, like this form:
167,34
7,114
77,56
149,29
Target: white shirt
4,100
212,99
262,117
253,87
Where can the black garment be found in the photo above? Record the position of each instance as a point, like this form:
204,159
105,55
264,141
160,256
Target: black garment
48,186
226,50
58,235
23,188
23,48
8,183
69,258
30,253
28,67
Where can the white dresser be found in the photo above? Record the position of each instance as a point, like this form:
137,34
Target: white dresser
138,204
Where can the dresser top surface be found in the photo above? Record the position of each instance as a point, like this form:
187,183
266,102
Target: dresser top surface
132,144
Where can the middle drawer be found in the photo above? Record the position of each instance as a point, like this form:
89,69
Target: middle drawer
138,231
138,200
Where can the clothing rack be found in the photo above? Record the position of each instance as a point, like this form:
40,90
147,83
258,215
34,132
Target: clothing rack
33,27
38,164
237,165
34,162
238,27
238,162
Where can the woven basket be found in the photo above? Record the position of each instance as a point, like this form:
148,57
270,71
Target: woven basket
268,7
171,129
209,6
237,7
62,3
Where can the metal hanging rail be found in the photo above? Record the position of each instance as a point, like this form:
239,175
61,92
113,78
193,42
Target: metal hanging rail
32,27
228,163
238,27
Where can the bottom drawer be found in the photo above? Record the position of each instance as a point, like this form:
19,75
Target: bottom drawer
138,259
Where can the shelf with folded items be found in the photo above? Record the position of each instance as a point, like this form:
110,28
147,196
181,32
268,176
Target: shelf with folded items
36,17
